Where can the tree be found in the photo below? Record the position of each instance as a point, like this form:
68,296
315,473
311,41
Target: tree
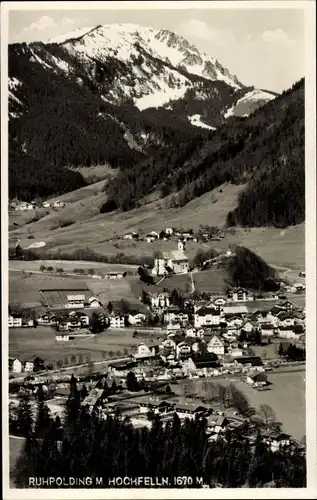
24,417
223,395
38,364
28,463
43,419
97,323
266,412
132,383
110,308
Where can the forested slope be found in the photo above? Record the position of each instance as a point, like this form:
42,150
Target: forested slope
265,150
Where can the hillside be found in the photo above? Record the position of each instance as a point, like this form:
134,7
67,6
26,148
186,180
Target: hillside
264,151
115,95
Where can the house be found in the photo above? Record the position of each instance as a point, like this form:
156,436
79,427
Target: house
75,301
94,398
94,302
160,300
58,204
136,318
289,332
73,324
189,409
248,326
203,363
173,327
207,316
286,318
117,322
46,204
150,239
15,365
257,379
235,352
247,360
183,349
175,261
217,423
143,351
219,301
267,317
267,330
238,295
84,319
174,314
216,346
28,366
276,440
128,236
298,287
14,321
169,231
231,310
115,276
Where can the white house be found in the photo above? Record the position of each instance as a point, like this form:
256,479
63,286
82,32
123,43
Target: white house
238,295
287,332
136,319
84,319
248,326
235,352
176,316
143,351
267,329
207,316
276,440
28,366
256,379
183,350
15,365
286,319
14,321
267,318
94,302
160,300
46,204
219,301
117,322
128,236
169,230
216,346
75,301
175,261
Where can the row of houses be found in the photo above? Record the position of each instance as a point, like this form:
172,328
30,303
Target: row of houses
33,205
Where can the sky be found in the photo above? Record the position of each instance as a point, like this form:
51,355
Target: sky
262,47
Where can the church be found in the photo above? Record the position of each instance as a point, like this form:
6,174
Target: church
171,262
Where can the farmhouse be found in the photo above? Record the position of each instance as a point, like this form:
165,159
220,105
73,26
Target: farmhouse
93,302
240,310
143,351
276,440
131,236
117,322
267,329
94,398
15,365
247,360
207,316
238,295
183,349
136,318
75,301
174,314
175,261
160,300
216,346
169,230
257,379
14,321
290,332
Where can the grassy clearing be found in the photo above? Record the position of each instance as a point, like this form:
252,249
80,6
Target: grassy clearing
95,230
70,265
27,343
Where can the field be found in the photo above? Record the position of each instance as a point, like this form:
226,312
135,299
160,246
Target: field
27,343
24,288
104,232
286,397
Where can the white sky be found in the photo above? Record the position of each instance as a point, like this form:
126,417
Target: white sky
264,48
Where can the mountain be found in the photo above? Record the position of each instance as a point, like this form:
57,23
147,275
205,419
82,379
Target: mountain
264,151
114,94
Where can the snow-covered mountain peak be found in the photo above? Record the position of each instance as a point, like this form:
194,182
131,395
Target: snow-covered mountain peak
125,41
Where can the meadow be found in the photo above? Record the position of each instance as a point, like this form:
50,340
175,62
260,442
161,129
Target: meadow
104,233
27,343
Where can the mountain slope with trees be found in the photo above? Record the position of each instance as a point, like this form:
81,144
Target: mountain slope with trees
265,150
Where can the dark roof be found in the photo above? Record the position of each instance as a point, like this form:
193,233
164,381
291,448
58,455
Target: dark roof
208,310
248,359
258,377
